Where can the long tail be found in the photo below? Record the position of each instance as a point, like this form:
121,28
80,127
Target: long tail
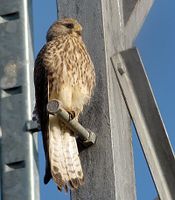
64,158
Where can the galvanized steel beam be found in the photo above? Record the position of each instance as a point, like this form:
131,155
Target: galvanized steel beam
19,165
146,117
107,165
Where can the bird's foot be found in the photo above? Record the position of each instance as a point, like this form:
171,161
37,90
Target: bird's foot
71,115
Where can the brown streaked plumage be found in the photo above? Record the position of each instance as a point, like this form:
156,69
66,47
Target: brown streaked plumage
63,71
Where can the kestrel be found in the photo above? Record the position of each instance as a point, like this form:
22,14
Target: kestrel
63,71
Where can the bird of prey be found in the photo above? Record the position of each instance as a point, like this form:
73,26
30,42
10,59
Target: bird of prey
63,71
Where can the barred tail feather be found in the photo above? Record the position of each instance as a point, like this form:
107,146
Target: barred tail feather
65,164
72,159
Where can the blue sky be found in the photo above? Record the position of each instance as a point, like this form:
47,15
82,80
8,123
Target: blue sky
156,42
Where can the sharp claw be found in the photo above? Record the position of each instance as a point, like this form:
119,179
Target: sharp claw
71,115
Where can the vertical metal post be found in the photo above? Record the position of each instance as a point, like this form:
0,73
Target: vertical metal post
109,27
19,167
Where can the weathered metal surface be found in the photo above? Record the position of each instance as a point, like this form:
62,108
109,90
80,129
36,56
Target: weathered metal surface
128,7
19,168
107,165
136,19
145,114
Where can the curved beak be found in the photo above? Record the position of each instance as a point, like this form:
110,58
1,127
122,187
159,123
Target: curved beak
78,29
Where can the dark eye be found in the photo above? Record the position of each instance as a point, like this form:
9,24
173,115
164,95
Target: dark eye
69,26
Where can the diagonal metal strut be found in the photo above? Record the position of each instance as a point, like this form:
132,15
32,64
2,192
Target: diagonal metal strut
141,104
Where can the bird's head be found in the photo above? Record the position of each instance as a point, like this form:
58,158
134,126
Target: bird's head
63,27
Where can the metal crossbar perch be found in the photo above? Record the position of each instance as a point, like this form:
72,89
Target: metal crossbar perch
87,137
